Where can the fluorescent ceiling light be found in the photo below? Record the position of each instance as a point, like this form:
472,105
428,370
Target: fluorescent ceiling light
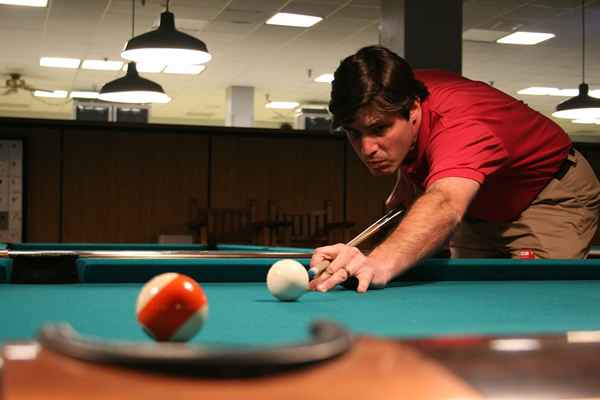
147,67
156,55
540,91
28,3
102,65
184,69
566,92
324,78
57,94
550,91
315,106
58,62
298,20
83,95
526,38
283,105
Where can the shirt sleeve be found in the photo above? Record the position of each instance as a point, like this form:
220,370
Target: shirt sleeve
464,149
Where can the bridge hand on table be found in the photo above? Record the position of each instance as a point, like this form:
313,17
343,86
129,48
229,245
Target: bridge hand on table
343,262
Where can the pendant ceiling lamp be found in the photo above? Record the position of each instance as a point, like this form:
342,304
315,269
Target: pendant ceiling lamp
582,106
132,88
166,43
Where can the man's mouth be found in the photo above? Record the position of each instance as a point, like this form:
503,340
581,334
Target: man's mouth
376,163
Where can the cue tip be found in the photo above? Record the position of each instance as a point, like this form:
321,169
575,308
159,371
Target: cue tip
318,269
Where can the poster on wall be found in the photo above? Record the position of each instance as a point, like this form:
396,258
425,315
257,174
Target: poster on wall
11,191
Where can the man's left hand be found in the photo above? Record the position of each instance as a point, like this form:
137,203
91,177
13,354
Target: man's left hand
345,262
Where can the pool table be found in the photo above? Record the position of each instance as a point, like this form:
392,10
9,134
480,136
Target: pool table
421,337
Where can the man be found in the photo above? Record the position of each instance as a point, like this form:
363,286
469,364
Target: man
496,177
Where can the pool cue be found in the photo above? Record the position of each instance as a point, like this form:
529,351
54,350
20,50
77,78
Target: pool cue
358,239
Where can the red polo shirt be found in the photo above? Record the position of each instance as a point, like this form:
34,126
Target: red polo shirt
472,130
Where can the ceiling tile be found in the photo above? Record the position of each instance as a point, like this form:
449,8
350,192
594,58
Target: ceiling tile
360,12
230,28
319,9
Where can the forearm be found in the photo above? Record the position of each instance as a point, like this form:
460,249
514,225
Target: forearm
428,224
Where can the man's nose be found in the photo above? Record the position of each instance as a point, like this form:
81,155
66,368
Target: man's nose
368,146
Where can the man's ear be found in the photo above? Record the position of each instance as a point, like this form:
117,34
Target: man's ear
415,112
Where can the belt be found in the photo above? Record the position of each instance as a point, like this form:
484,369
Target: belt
566,165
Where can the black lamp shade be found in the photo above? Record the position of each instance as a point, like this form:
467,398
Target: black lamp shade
575,107
120,89
166,39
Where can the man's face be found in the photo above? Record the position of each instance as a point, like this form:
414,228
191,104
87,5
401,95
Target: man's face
382,141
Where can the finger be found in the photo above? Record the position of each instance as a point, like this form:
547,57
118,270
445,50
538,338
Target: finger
355,262
364,280
330,251
317,257
353,269
343,259
312,284
334,280
321,259
325,253
317,280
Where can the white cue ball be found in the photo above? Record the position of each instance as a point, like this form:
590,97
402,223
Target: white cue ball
287,280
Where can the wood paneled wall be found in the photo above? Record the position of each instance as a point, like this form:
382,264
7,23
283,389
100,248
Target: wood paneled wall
300,173
88,182
130,183
130,187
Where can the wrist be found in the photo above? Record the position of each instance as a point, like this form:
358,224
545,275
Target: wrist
385,268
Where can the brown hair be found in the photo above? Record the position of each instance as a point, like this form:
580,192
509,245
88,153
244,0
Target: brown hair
377,77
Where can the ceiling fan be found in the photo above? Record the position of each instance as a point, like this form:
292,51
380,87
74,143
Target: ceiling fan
14,83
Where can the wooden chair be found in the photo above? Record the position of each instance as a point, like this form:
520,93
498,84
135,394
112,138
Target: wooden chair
310,229
228,225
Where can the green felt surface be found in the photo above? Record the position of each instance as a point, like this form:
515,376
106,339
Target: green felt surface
5,265
94,270
439,297
246,314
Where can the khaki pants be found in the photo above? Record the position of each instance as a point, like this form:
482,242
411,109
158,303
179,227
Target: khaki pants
559,223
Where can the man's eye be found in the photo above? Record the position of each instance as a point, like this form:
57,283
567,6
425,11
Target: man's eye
379,129
353,133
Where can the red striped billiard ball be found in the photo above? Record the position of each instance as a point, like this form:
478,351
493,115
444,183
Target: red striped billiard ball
172,307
